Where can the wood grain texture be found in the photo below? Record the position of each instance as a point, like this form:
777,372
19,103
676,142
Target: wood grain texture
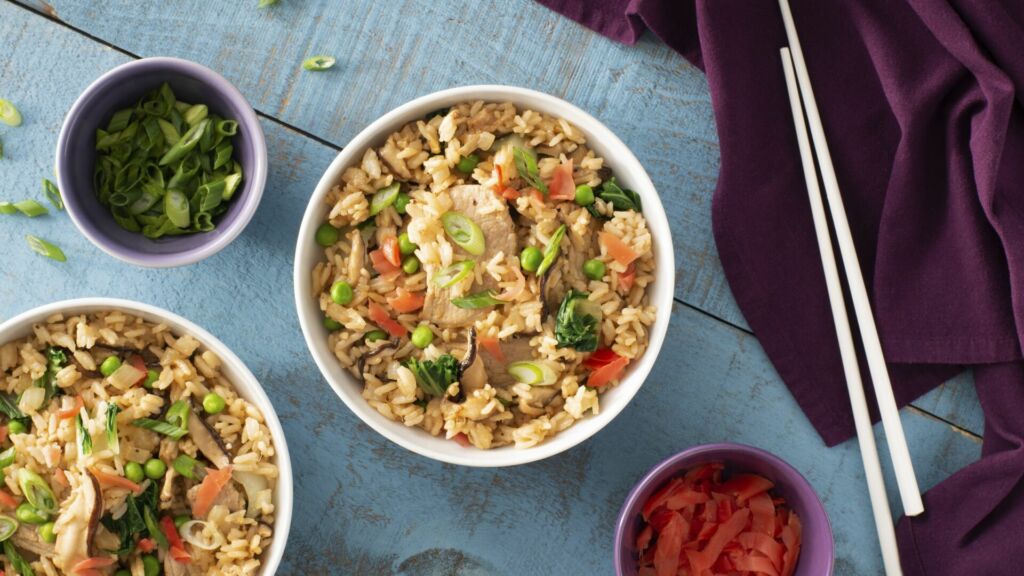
365,506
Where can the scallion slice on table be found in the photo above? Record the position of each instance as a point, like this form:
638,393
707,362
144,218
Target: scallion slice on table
464,232
9,114
53,194
318,63
265,3
31,208
7,208
46,249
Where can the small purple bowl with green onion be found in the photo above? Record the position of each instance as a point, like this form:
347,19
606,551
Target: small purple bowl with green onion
817,552
122,88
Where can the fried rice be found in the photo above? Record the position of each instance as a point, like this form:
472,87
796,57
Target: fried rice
502,322
80,398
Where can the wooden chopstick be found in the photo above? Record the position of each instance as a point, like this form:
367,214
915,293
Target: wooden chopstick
910,494
861,417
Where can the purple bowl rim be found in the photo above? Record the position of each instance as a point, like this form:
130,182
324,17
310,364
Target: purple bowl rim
620,523
250,202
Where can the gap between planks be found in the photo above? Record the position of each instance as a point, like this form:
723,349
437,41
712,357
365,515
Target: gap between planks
51,15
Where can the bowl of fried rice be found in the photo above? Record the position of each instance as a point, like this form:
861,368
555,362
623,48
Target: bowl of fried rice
133,441
484,275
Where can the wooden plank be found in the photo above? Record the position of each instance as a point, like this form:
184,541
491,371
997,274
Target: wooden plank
366,506
391,52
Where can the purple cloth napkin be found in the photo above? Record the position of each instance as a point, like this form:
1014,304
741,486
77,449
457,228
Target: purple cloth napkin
921,102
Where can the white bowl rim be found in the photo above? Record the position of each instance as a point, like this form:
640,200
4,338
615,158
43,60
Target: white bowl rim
252,392
310,318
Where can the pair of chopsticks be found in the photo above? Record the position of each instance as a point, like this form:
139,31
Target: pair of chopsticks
801,98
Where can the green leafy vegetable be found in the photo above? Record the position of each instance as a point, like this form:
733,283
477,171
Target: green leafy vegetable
57,358
149,519
112,441
84,438
186,466
53,194
476,301
620,198
131,524
17,562
526,166
43,247
551,251
9,407
318,63
434,376
578,322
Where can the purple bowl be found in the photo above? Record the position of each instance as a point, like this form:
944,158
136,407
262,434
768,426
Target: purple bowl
120,88
817,549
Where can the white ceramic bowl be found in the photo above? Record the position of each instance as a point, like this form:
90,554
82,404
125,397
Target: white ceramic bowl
629,173
245,384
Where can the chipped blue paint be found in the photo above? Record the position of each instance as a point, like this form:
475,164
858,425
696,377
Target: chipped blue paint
365,506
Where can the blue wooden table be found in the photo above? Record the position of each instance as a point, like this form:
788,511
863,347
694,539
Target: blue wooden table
363,505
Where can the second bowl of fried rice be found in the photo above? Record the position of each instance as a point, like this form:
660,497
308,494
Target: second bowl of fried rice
133,441
484,275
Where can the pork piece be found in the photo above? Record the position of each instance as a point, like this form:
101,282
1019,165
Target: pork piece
515,350
490,213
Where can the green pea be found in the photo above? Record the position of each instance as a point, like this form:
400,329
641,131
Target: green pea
401,202
29,515
180,520
133,471
326,235
530,258
213,403
422,336
331,324
467,163
405,246
341,292
16,427
151,377
46,533
584,195
155,469
410,265
375,335
110,365
150,565
593,269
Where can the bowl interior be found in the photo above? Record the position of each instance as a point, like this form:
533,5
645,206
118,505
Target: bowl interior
122,88
629,172
817,549
237,373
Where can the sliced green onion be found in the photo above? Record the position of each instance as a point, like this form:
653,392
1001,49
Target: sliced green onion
453,274
178,414
8,526
7,208
551,251
31,208
265,3
464,232
383,198
37,491
45,248
195,114
186,466
176,208
53,194
526,166
170,133
182,147
9,114
160,427
19,564
534,373
318,63
7,457
476,301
